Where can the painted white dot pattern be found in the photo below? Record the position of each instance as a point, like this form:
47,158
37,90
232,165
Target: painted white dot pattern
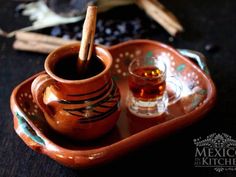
138,52
124,56
124,74
27,104
117,60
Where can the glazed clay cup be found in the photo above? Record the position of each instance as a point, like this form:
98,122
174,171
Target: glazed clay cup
79,109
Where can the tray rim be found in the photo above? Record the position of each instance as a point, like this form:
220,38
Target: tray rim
108,152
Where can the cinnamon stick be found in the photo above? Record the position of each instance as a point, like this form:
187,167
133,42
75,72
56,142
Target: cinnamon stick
88,33
34,42
34,46
36,37
161,15
87,41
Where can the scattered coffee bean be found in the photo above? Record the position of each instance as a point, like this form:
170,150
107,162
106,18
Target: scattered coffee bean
211,47
108,43
99,40
121,28
66,36
116,33
108,31
76,29
111,30
56,31
171,39
78,36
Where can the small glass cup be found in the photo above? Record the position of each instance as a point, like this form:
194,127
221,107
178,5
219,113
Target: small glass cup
148,84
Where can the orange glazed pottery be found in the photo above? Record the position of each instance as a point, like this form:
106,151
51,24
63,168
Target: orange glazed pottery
130,132
79,109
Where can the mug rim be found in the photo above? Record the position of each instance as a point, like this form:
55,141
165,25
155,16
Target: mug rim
98,49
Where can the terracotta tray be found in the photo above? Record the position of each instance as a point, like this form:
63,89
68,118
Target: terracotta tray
131,132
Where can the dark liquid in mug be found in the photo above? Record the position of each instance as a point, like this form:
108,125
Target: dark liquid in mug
66,68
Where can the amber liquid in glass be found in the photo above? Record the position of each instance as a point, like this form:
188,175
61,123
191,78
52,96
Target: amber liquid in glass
147,83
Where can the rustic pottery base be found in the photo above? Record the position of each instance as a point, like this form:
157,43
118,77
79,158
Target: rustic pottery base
198,97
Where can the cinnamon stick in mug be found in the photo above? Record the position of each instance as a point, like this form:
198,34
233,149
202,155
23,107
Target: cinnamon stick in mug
87,41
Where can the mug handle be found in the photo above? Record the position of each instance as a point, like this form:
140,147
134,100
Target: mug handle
38,87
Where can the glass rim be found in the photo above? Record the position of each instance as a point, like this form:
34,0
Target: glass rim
163,75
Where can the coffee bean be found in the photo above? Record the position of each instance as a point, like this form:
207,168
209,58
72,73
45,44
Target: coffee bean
116,33
108,31
108,43
109,23
100,26
56,31
153,26
66,36
171,39
126,39
211,47
121,28
113,28
78,36
136,27
99,40
76,29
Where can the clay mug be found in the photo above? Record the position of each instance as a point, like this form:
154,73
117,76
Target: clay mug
82,109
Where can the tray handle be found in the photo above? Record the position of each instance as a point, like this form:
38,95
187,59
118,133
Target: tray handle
198,57
26,129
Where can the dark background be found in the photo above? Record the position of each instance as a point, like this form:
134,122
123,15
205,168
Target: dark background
206,22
